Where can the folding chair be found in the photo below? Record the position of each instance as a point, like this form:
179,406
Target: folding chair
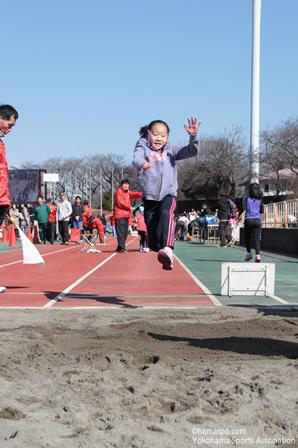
89,243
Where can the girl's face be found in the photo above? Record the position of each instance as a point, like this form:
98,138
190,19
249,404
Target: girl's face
158,135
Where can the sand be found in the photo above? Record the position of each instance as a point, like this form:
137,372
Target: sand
143,378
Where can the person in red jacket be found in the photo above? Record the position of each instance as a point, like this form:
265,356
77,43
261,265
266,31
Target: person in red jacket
95,223
142,231
51,222
113,224
122,209
8,118
86,215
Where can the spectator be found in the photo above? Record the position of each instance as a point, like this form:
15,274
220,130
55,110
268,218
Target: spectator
77,213
122,210
8,118
113,224
142,231
223,214
42,212
181,227
51,229
253,206
103,220
96,223
15,214
86,215
26,218
64,212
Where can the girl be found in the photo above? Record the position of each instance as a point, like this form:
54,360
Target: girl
155,158
142,231
253,206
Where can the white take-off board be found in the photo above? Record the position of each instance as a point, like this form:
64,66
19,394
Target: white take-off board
247,279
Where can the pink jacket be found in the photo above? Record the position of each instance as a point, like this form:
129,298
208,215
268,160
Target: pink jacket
141,223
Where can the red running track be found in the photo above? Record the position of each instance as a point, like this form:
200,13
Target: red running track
73,279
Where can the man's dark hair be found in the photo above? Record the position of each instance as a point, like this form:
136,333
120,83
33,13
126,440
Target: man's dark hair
77,197
221,193
91,218
39,197
48,200
7,111
125,181
85,202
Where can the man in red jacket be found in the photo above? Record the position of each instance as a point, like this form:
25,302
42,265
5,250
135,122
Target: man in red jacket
122,209
86,215
51,222
8,118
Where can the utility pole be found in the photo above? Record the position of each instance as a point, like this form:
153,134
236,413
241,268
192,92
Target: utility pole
100,192
255,93
90,189
113,188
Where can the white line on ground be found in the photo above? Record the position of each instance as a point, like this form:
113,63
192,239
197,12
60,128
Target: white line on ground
204,288
273,296
43,255
67,290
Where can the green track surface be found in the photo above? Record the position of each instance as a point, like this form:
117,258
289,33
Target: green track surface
4,248
204,261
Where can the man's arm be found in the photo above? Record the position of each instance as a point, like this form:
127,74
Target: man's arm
135,194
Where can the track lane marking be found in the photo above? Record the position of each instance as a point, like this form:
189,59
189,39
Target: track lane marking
43,255
213,299
76,283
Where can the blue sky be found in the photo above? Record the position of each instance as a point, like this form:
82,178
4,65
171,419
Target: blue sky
85,76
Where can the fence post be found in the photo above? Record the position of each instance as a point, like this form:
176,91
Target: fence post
286,214
275,215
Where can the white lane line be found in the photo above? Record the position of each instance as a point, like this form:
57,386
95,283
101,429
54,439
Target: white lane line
273,296
43,255
203,287
67,290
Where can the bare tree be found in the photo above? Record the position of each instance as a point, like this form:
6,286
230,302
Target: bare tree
222,162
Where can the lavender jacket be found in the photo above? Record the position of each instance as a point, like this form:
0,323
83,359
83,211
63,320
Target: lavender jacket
161,180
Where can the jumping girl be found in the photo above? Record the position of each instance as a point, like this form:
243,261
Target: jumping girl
155,158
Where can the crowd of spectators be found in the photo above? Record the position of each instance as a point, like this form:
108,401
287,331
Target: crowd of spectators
54,221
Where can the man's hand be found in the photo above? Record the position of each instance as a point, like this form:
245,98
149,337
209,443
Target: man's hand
146,165
193,125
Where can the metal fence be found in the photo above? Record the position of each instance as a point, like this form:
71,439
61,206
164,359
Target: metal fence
281,214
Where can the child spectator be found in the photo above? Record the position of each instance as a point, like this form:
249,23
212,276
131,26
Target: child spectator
155,158
142,231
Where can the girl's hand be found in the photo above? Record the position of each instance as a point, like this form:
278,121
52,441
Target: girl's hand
193,125
146,165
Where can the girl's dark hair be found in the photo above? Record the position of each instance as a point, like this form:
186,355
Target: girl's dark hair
255,191
144,129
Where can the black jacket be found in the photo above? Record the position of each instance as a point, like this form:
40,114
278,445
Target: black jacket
224,209
77,210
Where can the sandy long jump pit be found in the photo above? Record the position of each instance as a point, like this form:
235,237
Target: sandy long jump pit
162,378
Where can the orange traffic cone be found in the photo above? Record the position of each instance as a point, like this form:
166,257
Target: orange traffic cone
29,234
36,239
12,238
4,235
